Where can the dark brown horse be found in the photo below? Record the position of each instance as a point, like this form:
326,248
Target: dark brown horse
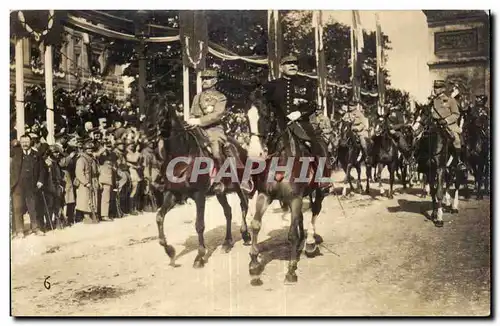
180,140
286,149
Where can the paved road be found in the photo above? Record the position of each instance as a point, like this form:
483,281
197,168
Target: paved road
382,258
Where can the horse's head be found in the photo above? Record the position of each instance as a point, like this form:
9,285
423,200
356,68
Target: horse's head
259,118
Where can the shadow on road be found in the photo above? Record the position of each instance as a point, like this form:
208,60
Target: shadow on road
213,239
410,206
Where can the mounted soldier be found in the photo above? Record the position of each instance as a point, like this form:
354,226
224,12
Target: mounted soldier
293,100
207,111
395,121
360,126
446,112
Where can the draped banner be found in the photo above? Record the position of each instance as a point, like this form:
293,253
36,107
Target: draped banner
320,58
274,44
194,38
357,45
380,63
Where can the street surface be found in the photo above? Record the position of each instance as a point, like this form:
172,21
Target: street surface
382,258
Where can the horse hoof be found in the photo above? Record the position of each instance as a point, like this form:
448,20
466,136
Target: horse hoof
170,251
227,246
247,238
390,196
255,269
439,224
454,211
198,263
256,282
311,250
291,278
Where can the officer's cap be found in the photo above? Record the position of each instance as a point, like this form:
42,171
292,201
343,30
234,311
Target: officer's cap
288,59
208,73
439,84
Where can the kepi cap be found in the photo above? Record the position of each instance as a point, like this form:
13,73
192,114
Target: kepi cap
288,58
208,73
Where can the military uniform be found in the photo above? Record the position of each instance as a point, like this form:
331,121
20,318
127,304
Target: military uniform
209,106
359,125
87,174
290,94
395,121
445,110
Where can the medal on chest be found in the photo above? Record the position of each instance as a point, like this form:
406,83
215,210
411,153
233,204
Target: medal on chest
208,101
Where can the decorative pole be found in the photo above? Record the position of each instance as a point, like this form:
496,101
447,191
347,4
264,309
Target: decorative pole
19,88
141,53
49,92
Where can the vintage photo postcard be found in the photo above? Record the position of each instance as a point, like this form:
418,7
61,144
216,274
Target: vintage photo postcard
250,163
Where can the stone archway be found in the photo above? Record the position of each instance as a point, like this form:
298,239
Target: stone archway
460,49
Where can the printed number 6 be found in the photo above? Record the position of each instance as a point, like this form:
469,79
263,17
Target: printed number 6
46,283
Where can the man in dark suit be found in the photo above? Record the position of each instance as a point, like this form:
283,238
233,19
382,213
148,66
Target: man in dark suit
293,99
26,179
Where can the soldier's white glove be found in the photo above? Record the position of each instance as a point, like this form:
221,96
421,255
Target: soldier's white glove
194,122
415,126
294,115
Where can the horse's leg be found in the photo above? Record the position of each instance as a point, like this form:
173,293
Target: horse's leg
348,179
458,182
228,240
368,177
380,168
200,199
312,249
359,187
404,173
479,180
255,269
392,171
439,197
167,205
294,238
244,202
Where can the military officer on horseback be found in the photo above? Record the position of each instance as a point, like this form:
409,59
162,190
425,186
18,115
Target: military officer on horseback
207,111
360,126
395,121
446,112
294,100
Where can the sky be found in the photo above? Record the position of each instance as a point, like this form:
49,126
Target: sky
407,61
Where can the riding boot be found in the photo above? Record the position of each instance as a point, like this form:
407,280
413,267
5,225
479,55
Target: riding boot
217,186
460,155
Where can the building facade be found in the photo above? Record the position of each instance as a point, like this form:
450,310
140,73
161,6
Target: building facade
72,65
460,49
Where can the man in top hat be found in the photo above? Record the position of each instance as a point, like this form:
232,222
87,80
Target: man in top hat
445,110
293,100
207,111
27,177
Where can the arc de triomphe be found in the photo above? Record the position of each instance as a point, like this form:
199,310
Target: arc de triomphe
460,48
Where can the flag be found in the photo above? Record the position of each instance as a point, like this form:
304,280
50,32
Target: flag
357,45
274,43
193,32
380,63
317,22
